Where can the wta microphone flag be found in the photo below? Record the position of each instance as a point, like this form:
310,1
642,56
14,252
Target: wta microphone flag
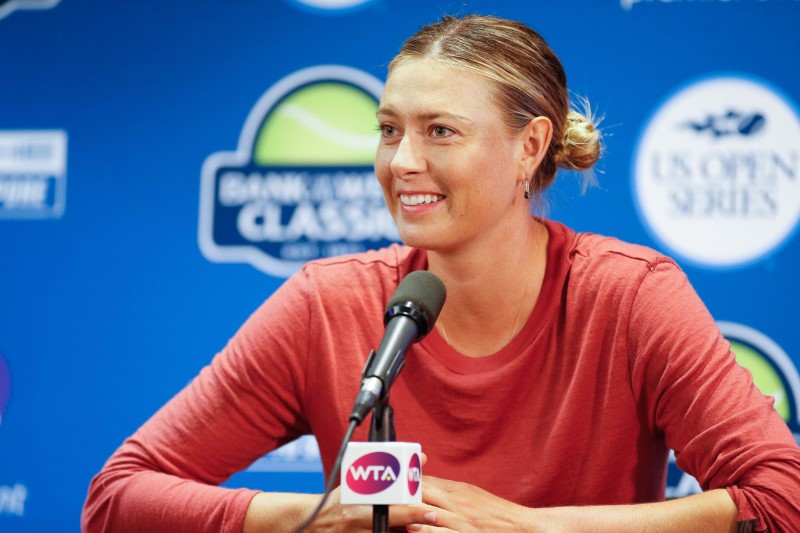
381,473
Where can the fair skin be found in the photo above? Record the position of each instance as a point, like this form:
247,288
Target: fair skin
452,146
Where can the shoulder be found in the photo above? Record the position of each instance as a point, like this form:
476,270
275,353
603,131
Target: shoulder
598,266
601,256
390,258
373,269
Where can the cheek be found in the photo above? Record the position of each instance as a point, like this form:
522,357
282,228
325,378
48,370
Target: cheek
382,160
382,171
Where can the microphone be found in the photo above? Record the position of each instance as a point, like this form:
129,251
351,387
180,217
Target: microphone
410,315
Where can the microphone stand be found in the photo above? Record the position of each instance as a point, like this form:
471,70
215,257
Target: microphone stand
381,429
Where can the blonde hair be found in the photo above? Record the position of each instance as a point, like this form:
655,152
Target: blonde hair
527,78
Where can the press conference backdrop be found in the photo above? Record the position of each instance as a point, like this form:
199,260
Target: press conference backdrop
164,168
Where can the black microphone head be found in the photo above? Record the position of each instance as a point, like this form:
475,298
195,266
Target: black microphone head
420,296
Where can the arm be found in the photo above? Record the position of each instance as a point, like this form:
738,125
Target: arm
690,392
283,513
246,403
250,400
723,430
466,508
712,511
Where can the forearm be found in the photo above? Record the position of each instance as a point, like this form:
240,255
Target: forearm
707,512
139,502
278,512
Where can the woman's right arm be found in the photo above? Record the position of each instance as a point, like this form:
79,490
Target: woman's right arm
247,402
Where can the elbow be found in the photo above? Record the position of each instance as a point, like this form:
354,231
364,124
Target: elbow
96,513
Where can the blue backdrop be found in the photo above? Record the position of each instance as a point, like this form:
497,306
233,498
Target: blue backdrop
113,293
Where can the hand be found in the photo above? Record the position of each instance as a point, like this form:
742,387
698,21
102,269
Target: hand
283,512
465,508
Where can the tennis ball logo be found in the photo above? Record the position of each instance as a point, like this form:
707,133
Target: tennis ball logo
765,376
301,185
334,119
773,371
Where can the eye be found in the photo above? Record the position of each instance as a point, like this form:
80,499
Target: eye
441,131
387,131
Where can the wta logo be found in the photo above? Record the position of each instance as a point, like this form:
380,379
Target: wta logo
301,185
373,473
414,474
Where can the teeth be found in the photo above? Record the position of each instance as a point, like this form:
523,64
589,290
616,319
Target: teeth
416,199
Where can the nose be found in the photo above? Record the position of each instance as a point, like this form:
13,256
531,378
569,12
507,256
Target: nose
408,159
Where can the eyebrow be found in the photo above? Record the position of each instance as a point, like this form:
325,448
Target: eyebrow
426,116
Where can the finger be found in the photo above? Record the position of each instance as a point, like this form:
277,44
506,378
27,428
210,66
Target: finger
424,458
437,491
419,528
424,515
403,515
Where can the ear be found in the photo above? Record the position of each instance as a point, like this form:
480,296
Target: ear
536,138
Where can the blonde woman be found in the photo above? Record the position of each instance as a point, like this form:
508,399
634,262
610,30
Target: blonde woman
563,366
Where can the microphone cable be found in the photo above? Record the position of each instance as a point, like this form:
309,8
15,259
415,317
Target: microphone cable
337,465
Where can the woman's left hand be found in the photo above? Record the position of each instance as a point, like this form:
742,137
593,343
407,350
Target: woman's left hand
465,508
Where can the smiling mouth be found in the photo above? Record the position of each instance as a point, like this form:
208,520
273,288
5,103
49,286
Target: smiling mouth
417,199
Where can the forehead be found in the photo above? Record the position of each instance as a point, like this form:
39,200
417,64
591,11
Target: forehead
424,86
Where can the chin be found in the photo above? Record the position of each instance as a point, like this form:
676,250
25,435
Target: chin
421,240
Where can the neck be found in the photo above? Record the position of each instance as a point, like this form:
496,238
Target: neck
491,290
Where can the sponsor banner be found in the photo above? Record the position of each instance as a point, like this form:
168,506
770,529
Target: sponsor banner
9,6
5,388
301,185
773,373
717,171
301,455
12,500
629,4
33,174
12,497
331,6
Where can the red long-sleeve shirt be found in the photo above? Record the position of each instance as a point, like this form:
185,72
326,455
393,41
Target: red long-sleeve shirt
618,362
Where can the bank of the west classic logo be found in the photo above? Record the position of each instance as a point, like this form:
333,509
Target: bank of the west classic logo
717,171
301,185
5,387
373,473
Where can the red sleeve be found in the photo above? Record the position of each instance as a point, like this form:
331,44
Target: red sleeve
724,431
247,402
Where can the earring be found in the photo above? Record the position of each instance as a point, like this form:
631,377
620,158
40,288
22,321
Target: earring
527,189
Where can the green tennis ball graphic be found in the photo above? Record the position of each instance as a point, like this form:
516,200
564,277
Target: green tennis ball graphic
764,376
324,124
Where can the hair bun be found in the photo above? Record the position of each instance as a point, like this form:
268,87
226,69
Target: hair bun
582,144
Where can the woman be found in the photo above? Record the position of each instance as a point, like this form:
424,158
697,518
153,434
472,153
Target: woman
562,369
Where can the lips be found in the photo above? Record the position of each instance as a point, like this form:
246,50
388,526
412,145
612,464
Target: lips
419,199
